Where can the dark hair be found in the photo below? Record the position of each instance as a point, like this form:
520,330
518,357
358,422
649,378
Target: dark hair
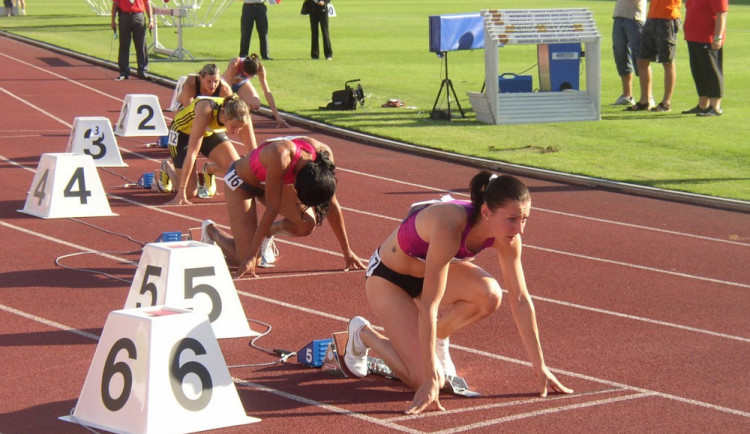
316,184
495,190
251,64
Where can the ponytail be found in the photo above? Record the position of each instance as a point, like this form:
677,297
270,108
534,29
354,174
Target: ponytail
235,108
251,64
316,184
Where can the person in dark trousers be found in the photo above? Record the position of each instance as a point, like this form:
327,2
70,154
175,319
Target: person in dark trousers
318,13
254,13
132,25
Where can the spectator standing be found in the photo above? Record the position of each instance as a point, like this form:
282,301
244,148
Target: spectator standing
629,16
705,28
318,13
254,14
658,44
132,25
21,7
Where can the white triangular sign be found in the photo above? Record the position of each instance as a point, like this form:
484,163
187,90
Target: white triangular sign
190,274
92,135
141,116
155,370
66,185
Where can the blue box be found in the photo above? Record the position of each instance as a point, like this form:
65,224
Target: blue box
312,354
512,83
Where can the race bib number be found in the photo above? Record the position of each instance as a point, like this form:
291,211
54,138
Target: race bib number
232,180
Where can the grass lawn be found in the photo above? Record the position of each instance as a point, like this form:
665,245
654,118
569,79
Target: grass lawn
385,44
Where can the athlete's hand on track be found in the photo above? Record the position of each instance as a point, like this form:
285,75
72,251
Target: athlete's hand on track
353,262
245,268
550,383
427,393
179,201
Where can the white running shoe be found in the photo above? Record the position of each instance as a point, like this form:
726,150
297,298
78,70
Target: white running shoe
624,100
204,233
444,356
268,253
355,356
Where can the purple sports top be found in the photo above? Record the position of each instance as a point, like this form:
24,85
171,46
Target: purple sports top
413,245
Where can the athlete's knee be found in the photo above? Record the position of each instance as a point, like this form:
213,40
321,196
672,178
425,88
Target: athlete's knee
301,228
490,297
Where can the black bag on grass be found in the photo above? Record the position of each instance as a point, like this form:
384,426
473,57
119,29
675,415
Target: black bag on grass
347,98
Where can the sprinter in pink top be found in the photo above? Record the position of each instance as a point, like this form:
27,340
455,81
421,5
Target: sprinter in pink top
291,176
424,265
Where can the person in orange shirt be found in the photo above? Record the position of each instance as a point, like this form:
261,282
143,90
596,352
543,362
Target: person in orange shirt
658,44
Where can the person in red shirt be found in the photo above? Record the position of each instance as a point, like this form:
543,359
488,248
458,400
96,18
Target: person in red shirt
132,25
705,28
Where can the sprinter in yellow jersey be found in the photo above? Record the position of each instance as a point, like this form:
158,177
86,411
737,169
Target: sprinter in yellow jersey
201,127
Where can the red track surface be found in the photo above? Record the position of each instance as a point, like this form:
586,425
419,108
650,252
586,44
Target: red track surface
642,304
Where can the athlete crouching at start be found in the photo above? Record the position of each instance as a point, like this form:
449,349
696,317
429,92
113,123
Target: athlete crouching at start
425,264
291,176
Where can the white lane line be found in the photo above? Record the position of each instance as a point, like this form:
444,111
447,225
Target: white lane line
519,416
332,408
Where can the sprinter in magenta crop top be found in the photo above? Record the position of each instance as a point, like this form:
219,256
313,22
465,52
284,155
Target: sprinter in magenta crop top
413,245
260,171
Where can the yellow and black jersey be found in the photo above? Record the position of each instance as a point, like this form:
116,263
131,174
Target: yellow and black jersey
183,120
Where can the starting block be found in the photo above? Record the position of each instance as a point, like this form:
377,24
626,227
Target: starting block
313,354
155,370
167,237
332,365
66,185
93,136
193,275
141,116
146,180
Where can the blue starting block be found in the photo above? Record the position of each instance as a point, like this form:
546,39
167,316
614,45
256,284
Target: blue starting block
163,141
146,180
312,354
169,236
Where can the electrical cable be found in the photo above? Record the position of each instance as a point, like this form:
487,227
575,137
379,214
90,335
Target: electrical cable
285,355
88,270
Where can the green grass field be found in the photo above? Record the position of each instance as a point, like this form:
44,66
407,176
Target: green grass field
385,44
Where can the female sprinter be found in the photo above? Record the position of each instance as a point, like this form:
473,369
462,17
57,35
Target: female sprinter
292,176
424,264
207,82
200,127
239,73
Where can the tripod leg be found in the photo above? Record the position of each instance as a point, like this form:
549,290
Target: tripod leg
450,84
442,85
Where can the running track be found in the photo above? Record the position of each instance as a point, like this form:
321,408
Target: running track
642,303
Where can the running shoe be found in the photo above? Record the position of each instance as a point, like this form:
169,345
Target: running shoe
696,110
711,112
268,253
163,181
205,239
624,100
355,356
209,182
444,357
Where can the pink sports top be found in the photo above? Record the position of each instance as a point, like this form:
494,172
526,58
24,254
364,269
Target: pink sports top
259,170
414,246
